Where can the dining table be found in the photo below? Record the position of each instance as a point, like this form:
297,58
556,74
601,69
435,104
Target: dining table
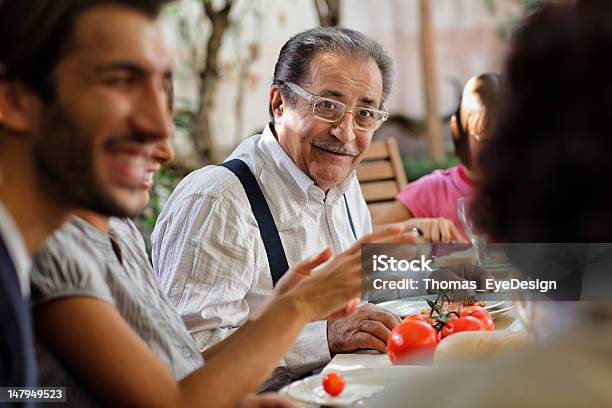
369,372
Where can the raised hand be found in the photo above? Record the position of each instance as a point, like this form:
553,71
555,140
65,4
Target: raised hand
334,290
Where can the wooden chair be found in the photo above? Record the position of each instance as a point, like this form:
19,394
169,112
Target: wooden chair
381,175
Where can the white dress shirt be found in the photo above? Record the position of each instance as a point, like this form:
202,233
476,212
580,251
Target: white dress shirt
16,249
209,256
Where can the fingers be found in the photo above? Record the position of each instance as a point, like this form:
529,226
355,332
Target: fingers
337,288
369,328
403,238
314,261
365,340
456,235
391,232
376,329
434,231
438,230
301,271
445,231
376,313
347,311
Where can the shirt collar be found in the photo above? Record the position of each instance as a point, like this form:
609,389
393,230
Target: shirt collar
16,248
301,184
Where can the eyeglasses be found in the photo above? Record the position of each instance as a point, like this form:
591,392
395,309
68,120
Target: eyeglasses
330,110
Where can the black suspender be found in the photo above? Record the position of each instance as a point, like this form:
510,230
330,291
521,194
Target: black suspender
348,213
267,227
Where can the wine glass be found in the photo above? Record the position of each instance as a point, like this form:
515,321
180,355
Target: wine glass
477,238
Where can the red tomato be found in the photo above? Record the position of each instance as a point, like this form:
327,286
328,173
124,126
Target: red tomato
410,340
481,314
466,323
417,317
333,384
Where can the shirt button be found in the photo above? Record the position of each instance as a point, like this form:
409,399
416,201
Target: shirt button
186,352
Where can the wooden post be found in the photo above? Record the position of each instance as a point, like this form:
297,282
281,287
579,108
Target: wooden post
434,124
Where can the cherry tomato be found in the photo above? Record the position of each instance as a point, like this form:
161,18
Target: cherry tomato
333,383
411,340
417,317
466,323
481,314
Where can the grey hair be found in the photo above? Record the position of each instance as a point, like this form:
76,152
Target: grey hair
294,59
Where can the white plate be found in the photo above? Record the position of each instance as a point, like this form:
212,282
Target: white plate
497,312
406,307
359,384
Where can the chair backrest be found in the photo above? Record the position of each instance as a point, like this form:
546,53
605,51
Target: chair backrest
381,175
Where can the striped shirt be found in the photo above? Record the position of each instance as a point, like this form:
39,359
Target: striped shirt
210,258
79,260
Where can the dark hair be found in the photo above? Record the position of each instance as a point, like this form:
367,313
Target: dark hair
294,59
35,33
547,172
487,88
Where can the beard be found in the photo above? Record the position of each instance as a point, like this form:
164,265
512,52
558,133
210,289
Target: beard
64,159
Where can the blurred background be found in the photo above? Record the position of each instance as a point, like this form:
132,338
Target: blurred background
225,53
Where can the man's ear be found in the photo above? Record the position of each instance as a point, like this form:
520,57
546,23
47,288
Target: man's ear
454,127
276,102
18,106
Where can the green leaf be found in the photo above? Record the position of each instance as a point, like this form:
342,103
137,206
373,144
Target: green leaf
182,119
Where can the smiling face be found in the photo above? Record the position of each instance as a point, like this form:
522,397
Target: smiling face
328,152
94,143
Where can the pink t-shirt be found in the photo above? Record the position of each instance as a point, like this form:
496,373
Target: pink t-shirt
436,194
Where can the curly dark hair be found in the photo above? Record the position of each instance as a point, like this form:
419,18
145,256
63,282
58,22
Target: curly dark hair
547,173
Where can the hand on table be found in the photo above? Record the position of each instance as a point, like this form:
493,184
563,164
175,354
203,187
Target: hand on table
436,229
368,328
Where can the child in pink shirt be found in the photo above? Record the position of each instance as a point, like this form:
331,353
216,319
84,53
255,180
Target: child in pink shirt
436,194
430,203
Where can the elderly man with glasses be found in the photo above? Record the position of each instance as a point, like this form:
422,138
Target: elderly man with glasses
229,232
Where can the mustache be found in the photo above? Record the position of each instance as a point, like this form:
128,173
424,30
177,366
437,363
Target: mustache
338,148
